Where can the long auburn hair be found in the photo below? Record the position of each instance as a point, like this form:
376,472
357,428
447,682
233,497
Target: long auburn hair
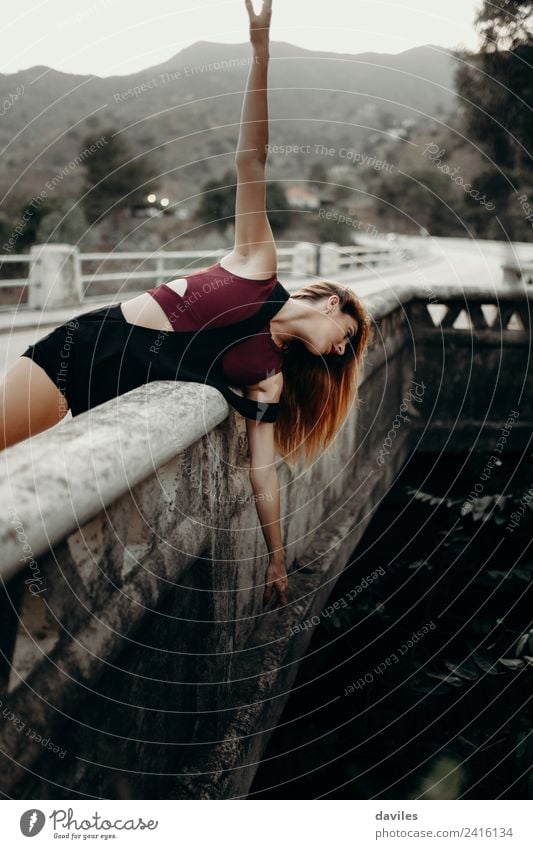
318,391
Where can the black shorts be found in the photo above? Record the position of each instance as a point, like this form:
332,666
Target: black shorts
73,356
98,355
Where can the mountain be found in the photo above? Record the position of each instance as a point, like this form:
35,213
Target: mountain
185,111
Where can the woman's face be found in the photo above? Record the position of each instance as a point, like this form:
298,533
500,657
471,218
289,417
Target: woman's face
331,328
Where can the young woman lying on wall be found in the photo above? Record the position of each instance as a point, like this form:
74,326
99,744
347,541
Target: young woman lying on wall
296,356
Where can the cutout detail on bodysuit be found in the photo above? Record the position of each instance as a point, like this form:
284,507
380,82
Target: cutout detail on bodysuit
181,288
231,299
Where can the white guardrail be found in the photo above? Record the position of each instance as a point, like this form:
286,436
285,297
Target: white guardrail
61,275
518,272
15,281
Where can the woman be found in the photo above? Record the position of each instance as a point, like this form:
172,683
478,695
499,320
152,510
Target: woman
296,356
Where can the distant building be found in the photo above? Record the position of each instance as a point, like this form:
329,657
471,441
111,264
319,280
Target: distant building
152,210
144,210
327,197
301,198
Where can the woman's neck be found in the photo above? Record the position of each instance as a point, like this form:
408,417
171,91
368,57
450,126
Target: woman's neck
292,321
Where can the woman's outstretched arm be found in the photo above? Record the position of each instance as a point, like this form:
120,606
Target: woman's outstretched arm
255,249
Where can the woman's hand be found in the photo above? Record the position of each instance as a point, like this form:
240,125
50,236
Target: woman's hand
276,581
259,24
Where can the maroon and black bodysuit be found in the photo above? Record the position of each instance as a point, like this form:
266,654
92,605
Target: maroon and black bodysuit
220,337
215,297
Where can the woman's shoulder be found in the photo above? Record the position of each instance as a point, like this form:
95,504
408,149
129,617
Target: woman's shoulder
253,267
219,297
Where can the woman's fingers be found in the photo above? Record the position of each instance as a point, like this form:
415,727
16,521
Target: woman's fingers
280,587
263,16
266,11
282,601
276,580
268,593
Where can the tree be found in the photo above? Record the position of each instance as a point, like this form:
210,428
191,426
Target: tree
217,206
318,173
494,186
329,230
28,220
424,198
496,90
115,176
66,223
278,209
505,27
5,227
496,85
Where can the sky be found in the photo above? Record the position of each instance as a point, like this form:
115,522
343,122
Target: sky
107,37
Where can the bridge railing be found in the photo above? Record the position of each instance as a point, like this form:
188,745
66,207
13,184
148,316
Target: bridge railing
486,335
61,275
153,268
518,272
15,282
133,561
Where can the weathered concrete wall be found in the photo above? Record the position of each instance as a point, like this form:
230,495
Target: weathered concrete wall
474,355
144,652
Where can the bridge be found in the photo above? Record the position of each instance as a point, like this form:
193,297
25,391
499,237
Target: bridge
137,659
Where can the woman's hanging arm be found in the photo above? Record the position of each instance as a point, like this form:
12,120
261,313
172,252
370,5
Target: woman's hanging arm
265,484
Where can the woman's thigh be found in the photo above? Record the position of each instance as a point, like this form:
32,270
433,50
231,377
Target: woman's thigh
30,402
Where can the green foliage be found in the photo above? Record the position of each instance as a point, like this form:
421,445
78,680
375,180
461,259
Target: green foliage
6,227
28,218
277,206
496,86
115,175
426,195
495,185
481,604
505,25
317,174
458,700
491,507
495,90
340,232
66,223
217,206
53,219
